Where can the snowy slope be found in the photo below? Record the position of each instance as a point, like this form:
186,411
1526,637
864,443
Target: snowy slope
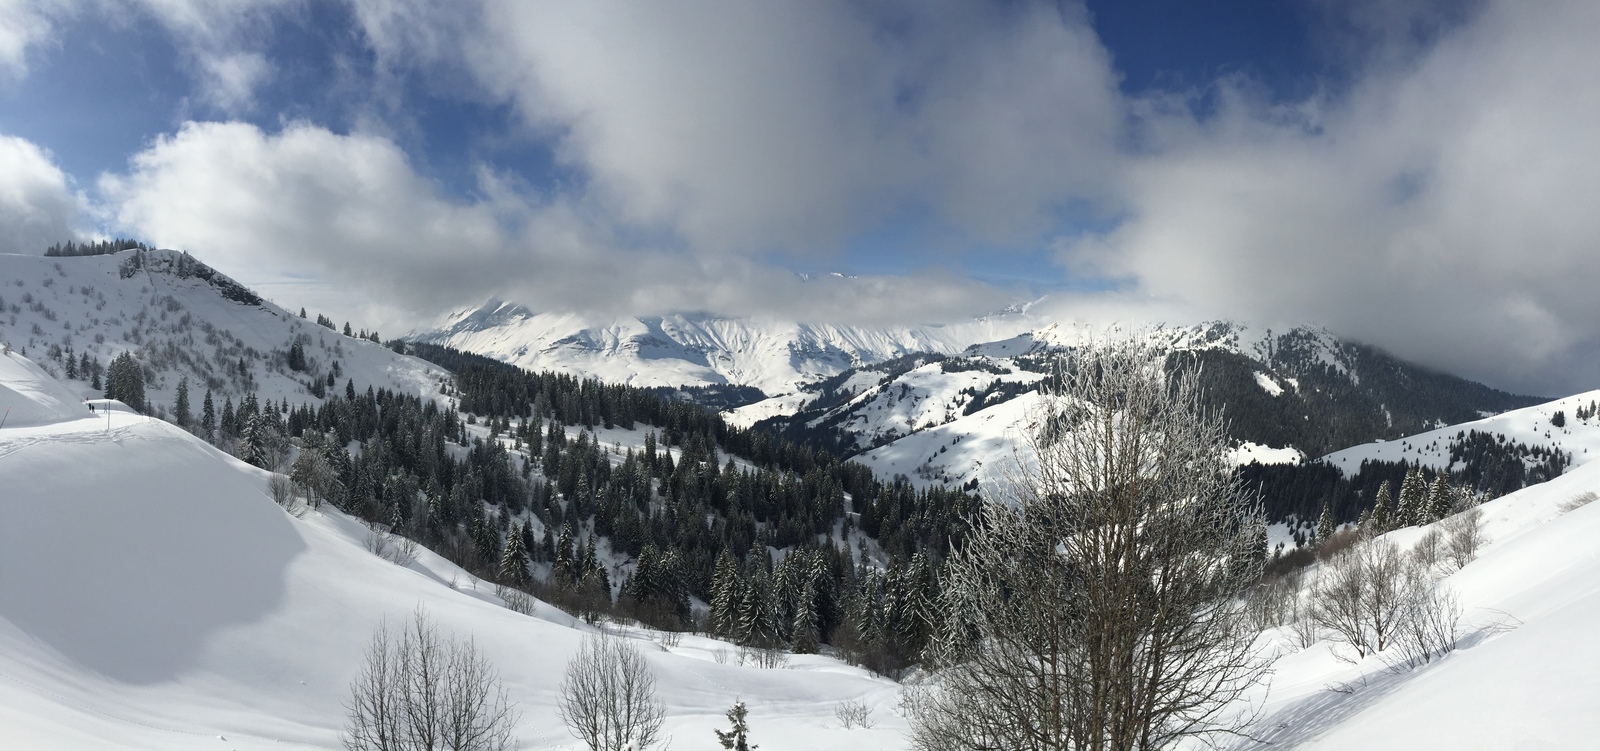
29,396
1524,676
152,596
183,320
699,349
1579,438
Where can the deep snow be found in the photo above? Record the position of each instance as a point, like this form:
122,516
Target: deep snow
153,596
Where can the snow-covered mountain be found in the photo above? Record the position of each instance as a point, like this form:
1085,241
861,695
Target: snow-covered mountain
700,349
949,420
182,319
153,596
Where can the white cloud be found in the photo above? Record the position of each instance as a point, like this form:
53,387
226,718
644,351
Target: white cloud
37,207
224,41
743,126
25,24
1445,208
351,211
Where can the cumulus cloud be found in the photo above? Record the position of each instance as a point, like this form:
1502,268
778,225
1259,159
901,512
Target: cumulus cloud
37,206
1444,208
1436,198
743,126
25,24
352,210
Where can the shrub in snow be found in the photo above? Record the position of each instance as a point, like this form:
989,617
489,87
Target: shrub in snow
608,696
419,689
853,714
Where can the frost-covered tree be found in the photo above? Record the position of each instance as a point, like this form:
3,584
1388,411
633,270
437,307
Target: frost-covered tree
514,559
1098,605
1381,509
1413,494
725,595
737,736
420,689
1440,499
1324,525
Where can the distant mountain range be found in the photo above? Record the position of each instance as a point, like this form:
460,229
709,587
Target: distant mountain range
946,404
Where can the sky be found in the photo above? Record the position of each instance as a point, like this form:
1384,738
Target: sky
1415,174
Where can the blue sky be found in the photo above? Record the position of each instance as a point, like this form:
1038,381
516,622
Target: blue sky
1377,166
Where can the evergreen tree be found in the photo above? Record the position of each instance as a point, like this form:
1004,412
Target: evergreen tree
725,595
484,543
1413,493
737,737
1439,498
180,406
564,570
1381,509
125,382
755,625
1324,525
806,625
514,559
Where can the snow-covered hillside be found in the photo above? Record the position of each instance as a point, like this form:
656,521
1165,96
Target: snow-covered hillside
152,595
1577,437
1523,675
699,349
954,420
181,319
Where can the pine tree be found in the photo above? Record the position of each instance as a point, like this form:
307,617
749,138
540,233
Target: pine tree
564,571
1381,509
725,595
1413,493
484,543
1324,525
1439,498
180,406
755,626
806,639
514,559
736,738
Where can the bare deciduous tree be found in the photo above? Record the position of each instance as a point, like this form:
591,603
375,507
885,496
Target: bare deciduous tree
421,691
1361,595
1097,606
1430,627
608,696
1463,537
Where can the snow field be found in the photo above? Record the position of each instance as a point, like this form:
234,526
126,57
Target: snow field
1529,425
85,303
153,596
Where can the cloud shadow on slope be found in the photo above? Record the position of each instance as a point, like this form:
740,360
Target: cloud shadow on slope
127,555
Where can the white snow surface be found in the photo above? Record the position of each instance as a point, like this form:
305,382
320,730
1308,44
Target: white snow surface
1523,677
181,327
690,349
29,396
1267,384
1529,425
152,596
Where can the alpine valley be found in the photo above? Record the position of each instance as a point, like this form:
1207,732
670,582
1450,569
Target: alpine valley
764,507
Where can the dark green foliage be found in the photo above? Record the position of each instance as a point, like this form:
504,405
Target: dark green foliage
125,381
180,405
1329,410
736,737
99,248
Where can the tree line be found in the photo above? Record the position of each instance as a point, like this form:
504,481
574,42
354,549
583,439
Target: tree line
788,547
